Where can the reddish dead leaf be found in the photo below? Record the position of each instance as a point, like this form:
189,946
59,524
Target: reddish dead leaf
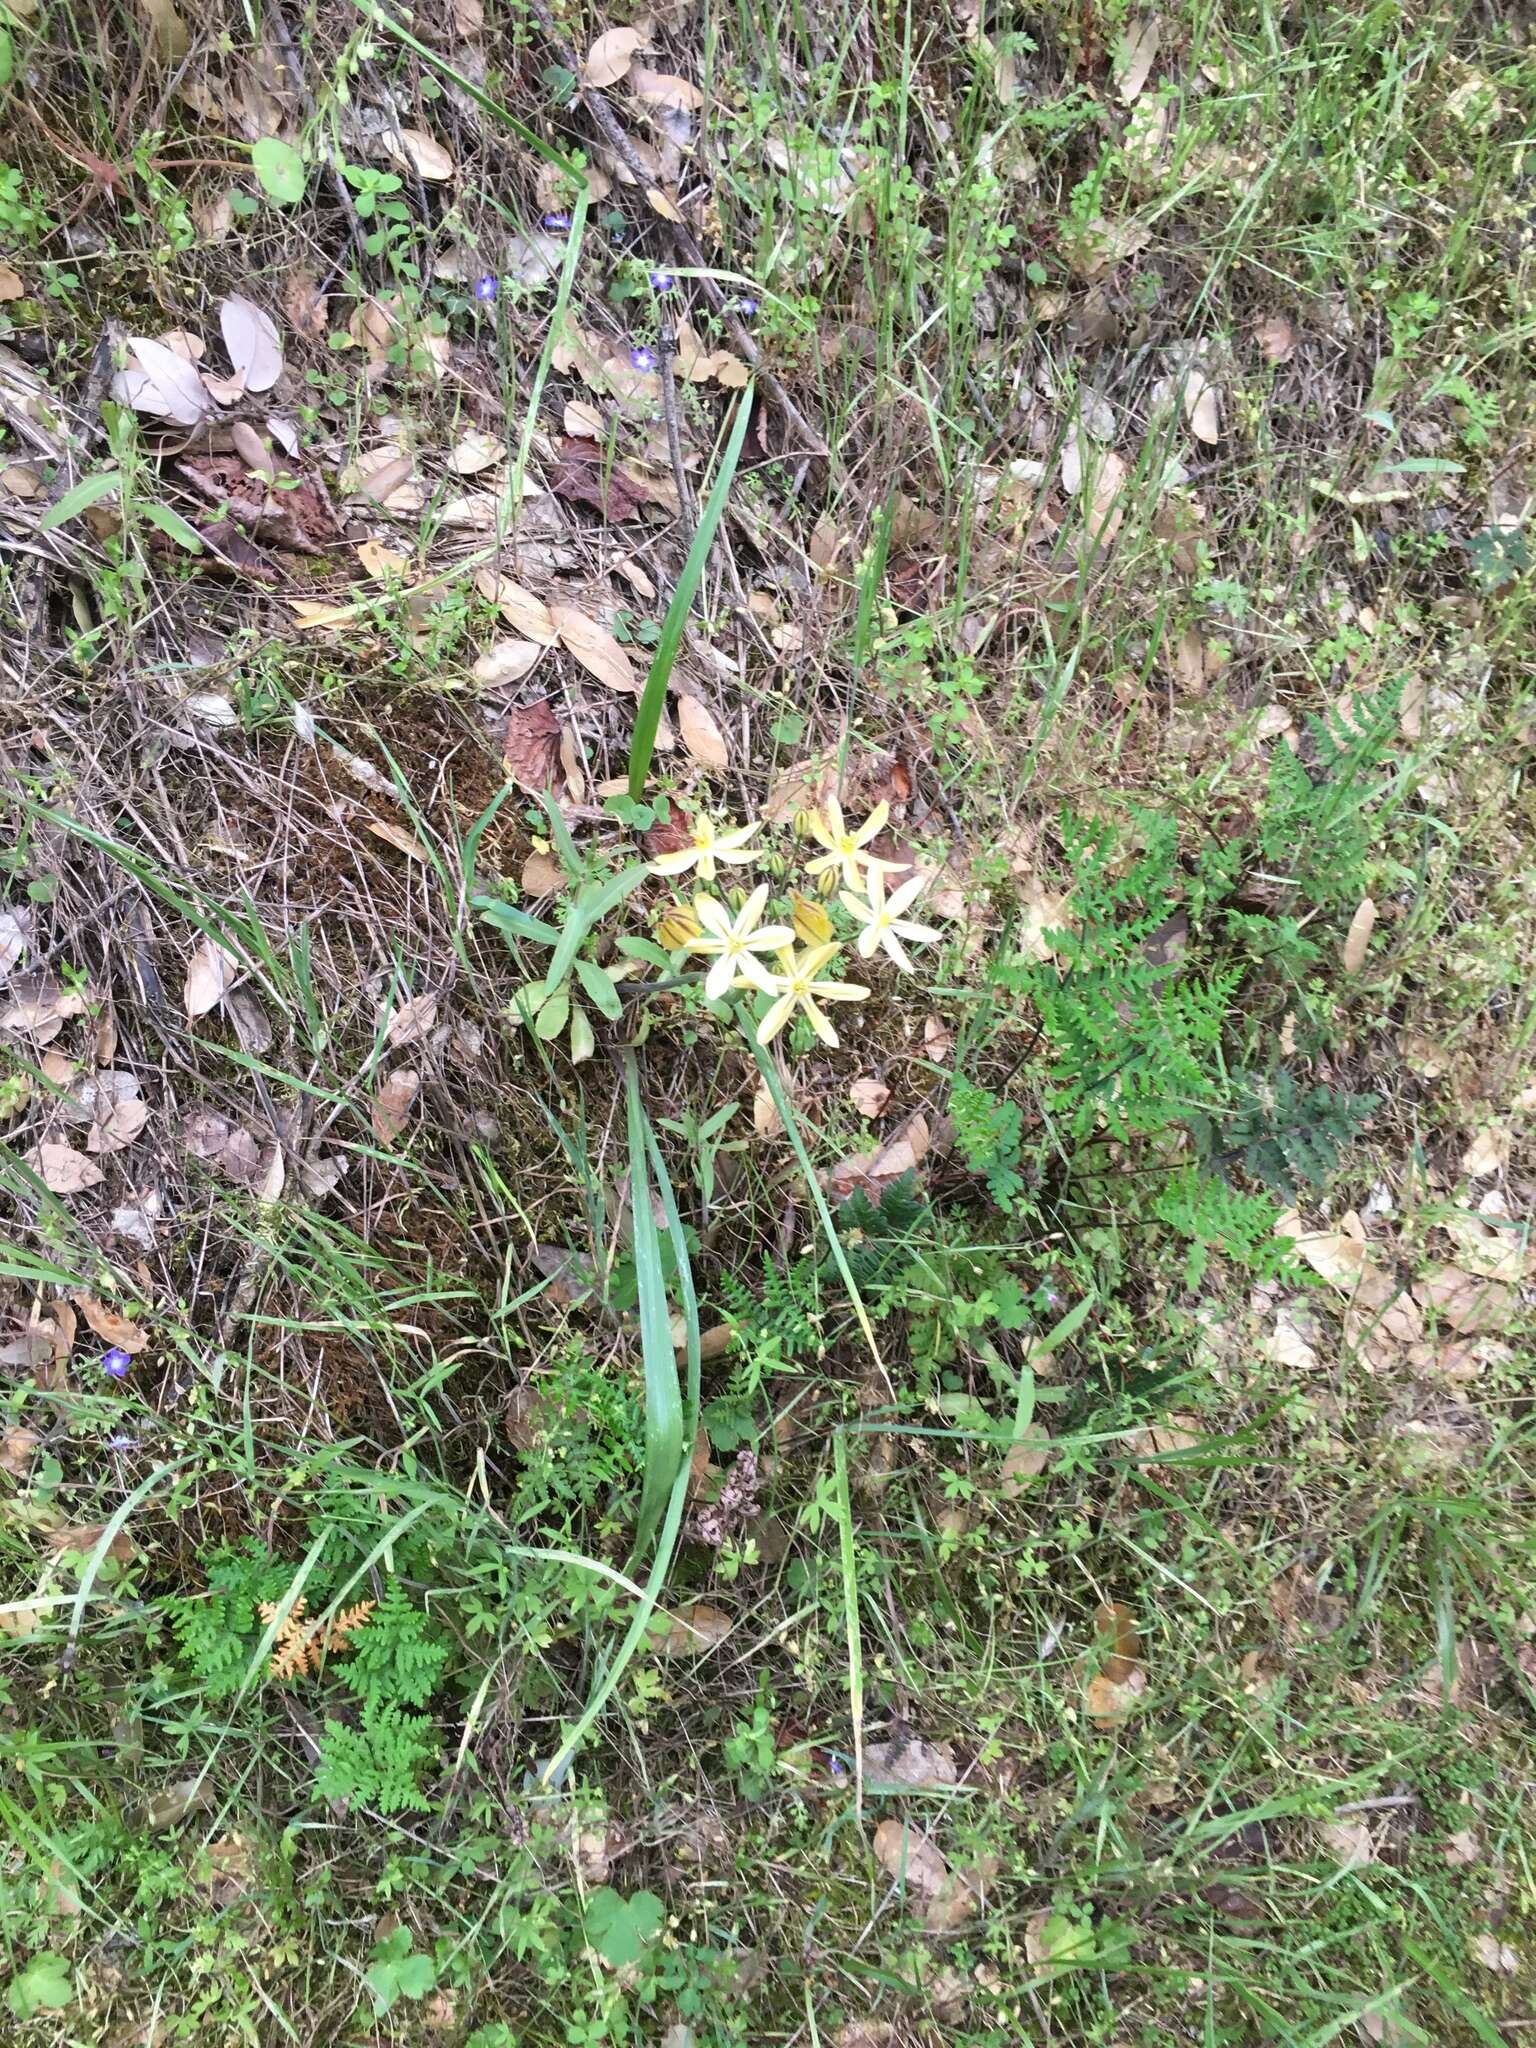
224,1145
584,474
670,835
392,1104
532,746
693,1629
874,1171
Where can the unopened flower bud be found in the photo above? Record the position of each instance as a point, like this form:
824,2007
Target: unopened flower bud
813,927
678,927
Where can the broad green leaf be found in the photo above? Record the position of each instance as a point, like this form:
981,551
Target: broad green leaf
173,526
519,923
599,987
551,1019
280,170
89,491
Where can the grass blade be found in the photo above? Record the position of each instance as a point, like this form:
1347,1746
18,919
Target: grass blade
653,696
663,1396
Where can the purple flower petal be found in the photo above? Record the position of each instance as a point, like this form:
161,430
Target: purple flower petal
116,1363
642,359
662,281
485,287
746,308
556,223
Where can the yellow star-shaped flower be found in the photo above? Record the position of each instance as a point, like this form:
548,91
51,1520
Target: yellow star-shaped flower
845,848
883,920
736,942
708,845
798,988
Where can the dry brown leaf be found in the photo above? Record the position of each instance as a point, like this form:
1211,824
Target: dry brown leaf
542,876
664,89
532,746
1025,1459
475,451
595,648
925,1766
416,150
17,1448
40,1006
109,1326
1496,1955
611,56
701,735
382,564
225,1145
1339,1256
210,971
1108,489
415,1020
766,1121
508,661
910,1858
162,384
11,286
63,1170
526,614
1202,407
1276,336
1357,939
868,1096
118,1124
392,1103
1488,1152
1135,58
1468,1302
386,476
693,1629
306,305
397,837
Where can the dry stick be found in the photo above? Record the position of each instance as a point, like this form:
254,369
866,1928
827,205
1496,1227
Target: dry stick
693,256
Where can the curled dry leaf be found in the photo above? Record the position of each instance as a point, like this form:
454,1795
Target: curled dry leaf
1202,407
1276,336
420,152
508,661
109,1326
868,1096
210,971
381,564
226,1146
664,89
595,648
397,837
611,56
766,1121
693,1629
1114,1687
1358,938
162,384
250,336
701,735
1339,1256
1467,1302
909,1857
902,1153
1488,1152
15,930
412,1022
392,1104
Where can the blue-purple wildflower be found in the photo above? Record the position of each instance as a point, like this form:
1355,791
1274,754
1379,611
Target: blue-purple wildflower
116,1363
663,281
557,223
746,308
642,359
485,288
